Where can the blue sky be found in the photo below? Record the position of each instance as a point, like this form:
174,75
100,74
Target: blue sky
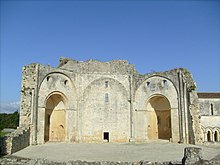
152,35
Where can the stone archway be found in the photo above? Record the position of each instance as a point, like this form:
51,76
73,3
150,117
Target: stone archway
160,120
55,119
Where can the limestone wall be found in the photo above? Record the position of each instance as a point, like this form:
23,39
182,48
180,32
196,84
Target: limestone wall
210,128
107,101
60,84
210,118
209,106
28,92
179,88
105,109
155,87
94,66
15,141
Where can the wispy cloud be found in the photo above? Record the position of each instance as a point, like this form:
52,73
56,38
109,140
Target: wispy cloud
9,107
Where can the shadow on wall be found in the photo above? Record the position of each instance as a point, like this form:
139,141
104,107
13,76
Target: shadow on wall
15,141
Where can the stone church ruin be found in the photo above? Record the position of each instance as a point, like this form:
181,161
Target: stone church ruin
98,102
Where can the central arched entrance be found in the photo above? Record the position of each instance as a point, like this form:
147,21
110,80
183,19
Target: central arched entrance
160,119
55,118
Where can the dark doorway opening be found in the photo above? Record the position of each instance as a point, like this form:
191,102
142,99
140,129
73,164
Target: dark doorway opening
106,136
216,136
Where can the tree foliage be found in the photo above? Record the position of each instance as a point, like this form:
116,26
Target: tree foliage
9,120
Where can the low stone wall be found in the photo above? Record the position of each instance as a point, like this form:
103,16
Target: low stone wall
15,141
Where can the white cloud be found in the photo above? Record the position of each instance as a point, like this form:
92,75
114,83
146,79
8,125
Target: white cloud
9,107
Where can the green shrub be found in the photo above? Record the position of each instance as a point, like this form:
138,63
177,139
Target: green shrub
9,120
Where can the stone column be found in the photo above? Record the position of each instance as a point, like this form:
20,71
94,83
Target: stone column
205,136
180,109
131,109
213,137
186,114
41,125
35,108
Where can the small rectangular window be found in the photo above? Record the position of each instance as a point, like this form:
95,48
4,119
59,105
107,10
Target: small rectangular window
212,112
106,97
106,84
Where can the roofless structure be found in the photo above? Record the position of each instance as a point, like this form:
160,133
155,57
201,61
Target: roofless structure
95,101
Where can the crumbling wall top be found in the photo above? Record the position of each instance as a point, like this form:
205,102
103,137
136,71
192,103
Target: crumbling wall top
94,66
173,75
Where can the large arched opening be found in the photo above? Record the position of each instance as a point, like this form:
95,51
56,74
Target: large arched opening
55,118
160,120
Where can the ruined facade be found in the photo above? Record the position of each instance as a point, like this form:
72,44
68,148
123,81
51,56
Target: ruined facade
99,102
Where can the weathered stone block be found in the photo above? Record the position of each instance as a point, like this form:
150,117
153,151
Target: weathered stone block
192,156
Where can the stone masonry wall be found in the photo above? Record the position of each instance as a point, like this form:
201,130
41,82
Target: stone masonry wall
15,141
94,66
29,81
187,110
210,118
209,106
194,118
102,97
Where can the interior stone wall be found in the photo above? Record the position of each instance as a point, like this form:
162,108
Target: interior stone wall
105,109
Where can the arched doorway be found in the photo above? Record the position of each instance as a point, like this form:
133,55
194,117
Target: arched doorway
160,118
55,119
